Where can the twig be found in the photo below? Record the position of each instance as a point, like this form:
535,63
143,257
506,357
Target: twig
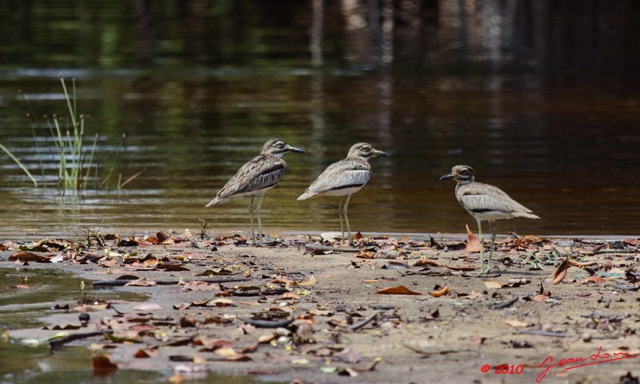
269,323
328,248
505,304
625,288
364,322
442,352
56,343
542,333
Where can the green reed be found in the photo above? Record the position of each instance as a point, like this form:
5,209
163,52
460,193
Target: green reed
75,160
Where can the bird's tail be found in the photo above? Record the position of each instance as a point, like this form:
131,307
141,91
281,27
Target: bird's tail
306,195
527,215
214,202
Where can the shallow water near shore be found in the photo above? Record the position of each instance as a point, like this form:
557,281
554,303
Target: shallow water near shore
198,97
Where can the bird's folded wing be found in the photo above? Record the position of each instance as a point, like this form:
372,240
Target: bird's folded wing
338,176
495,200
259,173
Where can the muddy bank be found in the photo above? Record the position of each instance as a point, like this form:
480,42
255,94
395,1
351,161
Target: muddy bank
397,309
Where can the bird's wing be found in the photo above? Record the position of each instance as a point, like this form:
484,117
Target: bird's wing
341,175
485,198
259,173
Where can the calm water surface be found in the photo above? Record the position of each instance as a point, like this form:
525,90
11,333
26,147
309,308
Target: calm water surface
545,107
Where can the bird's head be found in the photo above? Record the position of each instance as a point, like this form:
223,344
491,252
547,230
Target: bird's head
365,151
277,147
461,174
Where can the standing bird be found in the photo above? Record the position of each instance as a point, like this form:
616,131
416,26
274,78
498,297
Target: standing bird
485,202
256,177
344,178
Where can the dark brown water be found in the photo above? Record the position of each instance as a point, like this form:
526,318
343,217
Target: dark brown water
542,99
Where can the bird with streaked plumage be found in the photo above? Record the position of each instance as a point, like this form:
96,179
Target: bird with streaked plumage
255,178
485,203
344,178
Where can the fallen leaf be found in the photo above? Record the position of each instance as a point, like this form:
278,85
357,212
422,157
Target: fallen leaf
27,256
573,263
141,283
398,290
102,366
365,255
492,284
440,292
309,283
592,279
147,307
516,323
423,262
473,245
560,272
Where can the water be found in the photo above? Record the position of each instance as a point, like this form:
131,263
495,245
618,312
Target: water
545,107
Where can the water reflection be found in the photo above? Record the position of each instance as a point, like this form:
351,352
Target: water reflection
197,87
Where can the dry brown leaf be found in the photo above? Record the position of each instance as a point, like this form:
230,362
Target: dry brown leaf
473,244
28,256
541,297
141,283
492,284
397,290
102,366
423,262
441,292
516,323
365,255
573,263
309,283
593,279
560,272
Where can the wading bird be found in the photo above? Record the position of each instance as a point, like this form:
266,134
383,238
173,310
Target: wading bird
255,178
485,203
344,178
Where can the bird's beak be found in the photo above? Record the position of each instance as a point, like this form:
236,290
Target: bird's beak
377,153
447,177
293,149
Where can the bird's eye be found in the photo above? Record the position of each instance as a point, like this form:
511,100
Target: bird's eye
366,148
280,144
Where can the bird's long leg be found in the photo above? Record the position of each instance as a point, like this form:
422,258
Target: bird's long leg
493,242
481,238
345,207
340,217
260,219
253,233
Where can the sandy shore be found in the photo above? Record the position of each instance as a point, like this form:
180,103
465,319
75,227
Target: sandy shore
211,303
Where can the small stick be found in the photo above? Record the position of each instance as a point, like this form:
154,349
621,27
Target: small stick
505,304
541,333
328,248
364,322
53,344
268,323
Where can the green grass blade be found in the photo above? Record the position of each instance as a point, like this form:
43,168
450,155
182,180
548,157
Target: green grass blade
8,152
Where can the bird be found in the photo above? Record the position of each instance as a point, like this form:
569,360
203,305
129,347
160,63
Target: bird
344,178
255,178
485,202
